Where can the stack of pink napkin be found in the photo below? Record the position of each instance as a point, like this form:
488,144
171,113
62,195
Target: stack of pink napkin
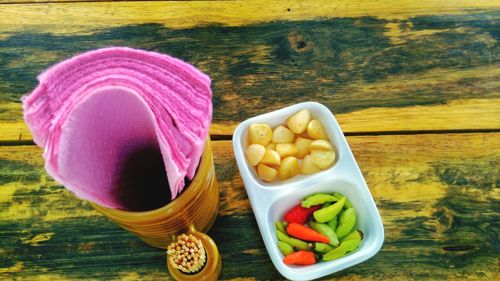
90,113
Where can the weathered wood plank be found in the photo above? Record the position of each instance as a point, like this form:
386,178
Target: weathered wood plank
404,6
458,115
415,74
181,14
438,196
87,1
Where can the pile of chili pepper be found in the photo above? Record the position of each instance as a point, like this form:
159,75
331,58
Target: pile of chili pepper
321,227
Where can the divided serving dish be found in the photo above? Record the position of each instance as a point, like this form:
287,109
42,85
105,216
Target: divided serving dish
271,200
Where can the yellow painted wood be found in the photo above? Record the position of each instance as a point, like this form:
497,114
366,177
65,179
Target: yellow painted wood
454,95
469,114
67,18
473,114
436,193
66,1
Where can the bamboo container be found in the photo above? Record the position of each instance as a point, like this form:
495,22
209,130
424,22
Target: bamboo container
196,208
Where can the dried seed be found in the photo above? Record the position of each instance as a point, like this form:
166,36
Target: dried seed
289,168
266,173
298,122
255,153
282,134
260,134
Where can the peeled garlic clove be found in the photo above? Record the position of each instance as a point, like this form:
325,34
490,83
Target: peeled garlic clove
302,145
282,134
271,157
320,145
289,168
271,146
308,167
255,153
266,173
298,122
323,159
286,149
316,130
260,134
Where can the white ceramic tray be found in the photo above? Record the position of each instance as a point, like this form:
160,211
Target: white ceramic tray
270,201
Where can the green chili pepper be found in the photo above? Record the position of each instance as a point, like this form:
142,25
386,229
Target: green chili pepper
346,223
354,235
318,199
328,213
327,204
339,215
322,247
299,244
282,236
333,223
279,226
285,248
327,231
347,204
294,242
341,250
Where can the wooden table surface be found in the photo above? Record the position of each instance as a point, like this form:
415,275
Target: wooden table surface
415,86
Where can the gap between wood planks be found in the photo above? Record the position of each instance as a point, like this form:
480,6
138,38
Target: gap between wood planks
348,134
389,133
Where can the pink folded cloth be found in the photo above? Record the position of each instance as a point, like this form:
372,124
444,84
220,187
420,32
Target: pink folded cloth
115,123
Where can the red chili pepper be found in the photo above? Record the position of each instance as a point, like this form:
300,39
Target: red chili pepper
300,258
299,214
305,233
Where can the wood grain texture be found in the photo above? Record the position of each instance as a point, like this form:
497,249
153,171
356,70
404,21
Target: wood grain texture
438,196
88,16
396,67
459,115
15,2
419,72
